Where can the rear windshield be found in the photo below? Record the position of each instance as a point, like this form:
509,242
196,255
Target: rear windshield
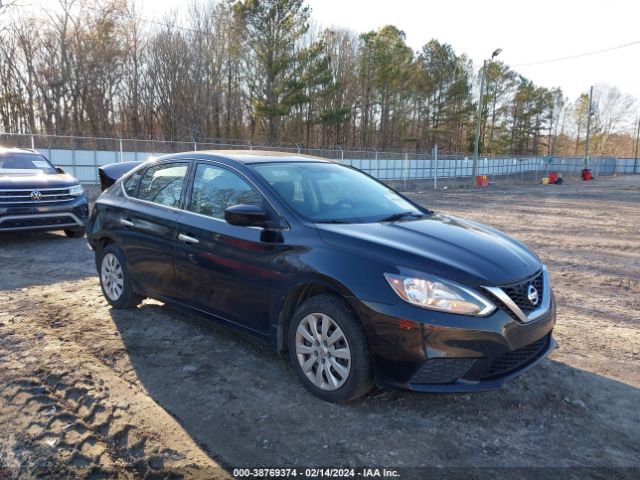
24,164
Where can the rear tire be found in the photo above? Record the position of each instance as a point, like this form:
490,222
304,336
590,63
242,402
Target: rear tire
75,233
115,280
329,351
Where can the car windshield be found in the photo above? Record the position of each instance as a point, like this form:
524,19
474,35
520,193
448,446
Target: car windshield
332,193
12,163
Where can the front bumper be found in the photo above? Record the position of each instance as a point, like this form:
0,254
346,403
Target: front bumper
68,215
427,351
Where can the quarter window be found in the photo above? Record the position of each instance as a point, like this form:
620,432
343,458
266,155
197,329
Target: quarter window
216,189
163,184
131,183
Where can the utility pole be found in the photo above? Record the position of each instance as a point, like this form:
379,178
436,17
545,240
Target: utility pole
476,145
589,113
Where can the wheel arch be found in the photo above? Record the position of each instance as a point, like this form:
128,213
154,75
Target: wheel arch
295,296
100,242
103,242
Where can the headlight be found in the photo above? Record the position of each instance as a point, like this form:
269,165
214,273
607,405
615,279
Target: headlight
437,294
76,190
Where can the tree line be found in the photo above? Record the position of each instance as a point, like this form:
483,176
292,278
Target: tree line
262,70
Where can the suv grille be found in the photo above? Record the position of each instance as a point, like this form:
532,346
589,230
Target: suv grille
518,293
34,196
509,361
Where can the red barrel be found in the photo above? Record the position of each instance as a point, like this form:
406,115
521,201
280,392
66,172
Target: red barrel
482,181
586,174
553,176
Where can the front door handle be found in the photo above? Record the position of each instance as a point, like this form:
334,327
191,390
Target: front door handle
187,239
127,223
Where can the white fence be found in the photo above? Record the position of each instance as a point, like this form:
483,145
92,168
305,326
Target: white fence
74,155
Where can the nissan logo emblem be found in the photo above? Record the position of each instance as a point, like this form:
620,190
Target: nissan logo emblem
36,195
532,295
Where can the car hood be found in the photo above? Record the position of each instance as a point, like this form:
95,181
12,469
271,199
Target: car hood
445,246
39,181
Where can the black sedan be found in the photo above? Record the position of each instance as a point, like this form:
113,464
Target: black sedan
358,283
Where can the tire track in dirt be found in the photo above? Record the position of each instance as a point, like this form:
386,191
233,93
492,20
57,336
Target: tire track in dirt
62,421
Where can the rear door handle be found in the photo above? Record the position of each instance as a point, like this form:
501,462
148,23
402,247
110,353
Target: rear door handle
127,223
187,239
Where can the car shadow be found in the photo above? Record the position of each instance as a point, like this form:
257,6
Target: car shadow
244,405
41,258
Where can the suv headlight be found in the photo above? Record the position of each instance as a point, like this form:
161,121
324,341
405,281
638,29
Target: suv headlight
76,190
437,294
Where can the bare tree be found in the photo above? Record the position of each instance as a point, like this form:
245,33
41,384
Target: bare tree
261,70
614,114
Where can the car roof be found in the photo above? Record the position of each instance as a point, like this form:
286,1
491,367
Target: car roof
17,150
250,156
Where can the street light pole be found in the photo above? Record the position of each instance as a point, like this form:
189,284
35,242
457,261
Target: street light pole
476,145
478,121
589,113
635,161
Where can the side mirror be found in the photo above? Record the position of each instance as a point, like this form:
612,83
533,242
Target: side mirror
60,170
246,216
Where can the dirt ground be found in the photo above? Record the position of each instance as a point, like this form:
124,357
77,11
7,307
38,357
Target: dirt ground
156,393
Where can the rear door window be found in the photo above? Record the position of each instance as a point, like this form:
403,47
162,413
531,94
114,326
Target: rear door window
163,184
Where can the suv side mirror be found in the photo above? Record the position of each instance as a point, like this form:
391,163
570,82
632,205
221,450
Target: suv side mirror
246,216
59,170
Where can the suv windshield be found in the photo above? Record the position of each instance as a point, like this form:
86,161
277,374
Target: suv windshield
331,193
12,163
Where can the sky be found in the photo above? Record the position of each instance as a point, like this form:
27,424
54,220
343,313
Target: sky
526,31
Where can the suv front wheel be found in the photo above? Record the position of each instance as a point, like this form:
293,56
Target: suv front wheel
329,351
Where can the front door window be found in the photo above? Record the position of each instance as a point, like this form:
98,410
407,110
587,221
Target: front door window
216,189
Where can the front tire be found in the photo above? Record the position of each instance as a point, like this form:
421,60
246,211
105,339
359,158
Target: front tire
115,280
328,350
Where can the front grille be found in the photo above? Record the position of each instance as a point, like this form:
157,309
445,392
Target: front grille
442,370
499,303
35,222
518,293
23,197
510,361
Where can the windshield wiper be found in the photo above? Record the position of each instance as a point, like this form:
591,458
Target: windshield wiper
401,215
390,218
332,221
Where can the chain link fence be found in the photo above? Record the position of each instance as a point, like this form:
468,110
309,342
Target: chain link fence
81,156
